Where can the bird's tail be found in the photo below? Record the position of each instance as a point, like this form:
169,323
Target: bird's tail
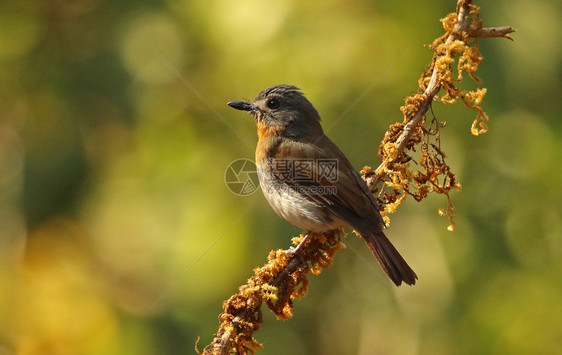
390,259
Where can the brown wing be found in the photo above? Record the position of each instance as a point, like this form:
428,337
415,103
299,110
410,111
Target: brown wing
342,191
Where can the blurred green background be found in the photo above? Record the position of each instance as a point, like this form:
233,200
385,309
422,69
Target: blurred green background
118,234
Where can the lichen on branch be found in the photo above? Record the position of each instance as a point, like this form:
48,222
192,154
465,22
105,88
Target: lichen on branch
281,280
413,163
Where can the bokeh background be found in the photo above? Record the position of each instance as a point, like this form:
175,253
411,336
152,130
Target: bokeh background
118,234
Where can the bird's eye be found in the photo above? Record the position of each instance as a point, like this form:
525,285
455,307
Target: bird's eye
273,104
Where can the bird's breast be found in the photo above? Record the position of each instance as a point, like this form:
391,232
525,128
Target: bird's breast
290,202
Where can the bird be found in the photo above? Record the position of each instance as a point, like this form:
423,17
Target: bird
307,179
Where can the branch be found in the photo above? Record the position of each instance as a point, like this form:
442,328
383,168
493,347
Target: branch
283,277
277,283
459,31
492,32
411,137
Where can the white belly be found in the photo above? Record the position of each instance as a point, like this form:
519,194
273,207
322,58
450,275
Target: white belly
296,208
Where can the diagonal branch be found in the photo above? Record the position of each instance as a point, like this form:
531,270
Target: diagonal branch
461,30
277,283
283,278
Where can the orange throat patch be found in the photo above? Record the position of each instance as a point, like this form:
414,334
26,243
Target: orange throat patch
265,131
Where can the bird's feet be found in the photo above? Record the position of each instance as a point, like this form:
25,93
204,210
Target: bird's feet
294,250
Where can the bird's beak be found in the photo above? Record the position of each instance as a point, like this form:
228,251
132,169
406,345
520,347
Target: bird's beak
243,106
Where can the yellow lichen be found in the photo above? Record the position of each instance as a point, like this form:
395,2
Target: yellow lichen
420,168
242,312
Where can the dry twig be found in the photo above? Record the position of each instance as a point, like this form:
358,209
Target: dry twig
462,29
277,283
